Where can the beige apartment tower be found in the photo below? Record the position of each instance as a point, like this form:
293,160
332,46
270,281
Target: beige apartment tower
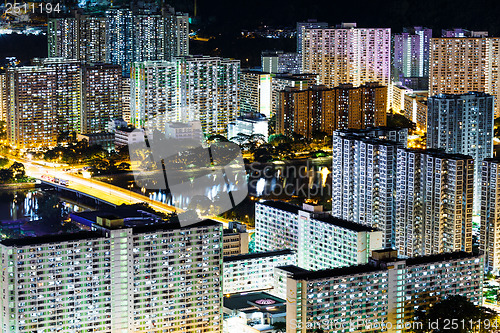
461,65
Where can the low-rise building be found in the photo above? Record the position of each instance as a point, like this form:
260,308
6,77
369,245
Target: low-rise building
253,313
105,140
249,125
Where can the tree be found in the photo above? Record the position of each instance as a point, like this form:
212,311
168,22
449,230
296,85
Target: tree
398,120
279,326
457,308
3,162
18,170
6,175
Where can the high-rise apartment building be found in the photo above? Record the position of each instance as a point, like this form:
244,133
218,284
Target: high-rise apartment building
3,97
410,103
462,124
379,296
126,100
211,90
120,38
62,38
320,240
153,278
305,112
68,92
462,65
31,112
310,24
154,91
490,214
149,36
82,37
280,81
320,109
411,53
186,89
347,54
434,202
255,93
364,180
102,96
176,34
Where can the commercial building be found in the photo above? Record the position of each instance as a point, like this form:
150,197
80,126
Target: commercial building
367,298
490,214
184,131
364,179
105,140
434,200
411,53
253,312
249,125
320,240
236,239
102,96
321,109
255,93
462,65
347,54
124,136
255,271
462,124
115,279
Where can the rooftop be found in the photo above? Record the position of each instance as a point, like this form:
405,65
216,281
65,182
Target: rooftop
244,301
57,238
440,257
319,217
256,255
303,274
438,153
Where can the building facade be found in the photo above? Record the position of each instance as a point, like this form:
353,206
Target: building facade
434,201
31,112
462,65
320,240
279,62
367,298
462,124
490,214
102,96
115,279
255,93
364,181
347,54
411,53
321,109
255,271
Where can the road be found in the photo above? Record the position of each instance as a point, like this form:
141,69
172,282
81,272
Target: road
104,191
